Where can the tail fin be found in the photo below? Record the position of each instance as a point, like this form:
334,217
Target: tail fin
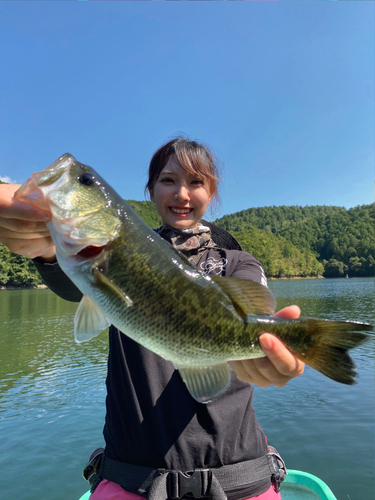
330,342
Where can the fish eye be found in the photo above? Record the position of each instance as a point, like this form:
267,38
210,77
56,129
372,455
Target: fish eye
86,179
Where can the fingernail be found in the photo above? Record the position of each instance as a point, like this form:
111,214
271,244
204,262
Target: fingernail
266,343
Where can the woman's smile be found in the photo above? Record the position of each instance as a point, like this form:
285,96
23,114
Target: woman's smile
182,212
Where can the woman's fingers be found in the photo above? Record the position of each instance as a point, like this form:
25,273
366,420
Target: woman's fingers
22,226
289,312
17,228
279,366
30,248
11,208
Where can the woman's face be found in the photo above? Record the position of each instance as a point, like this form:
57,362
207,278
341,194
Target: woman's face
180,198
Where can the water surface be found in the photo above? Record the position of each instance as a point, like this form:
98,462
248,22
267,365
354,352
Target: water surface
52,394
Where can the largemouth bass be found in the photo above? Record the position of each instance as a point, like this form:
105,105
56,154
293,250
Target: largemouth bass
130,277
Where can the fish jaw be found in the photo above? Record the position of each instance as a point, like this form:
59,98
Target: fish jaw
57,189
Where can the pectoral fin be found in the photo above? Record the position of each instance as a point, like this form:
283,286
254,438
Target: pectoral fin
206,383
248,297
104,281
89,321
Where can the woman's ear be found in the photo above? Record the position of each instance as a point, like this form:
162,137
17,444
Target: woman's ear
151,191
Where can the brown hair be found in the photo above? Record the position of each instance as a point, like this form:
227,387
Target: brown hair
193,157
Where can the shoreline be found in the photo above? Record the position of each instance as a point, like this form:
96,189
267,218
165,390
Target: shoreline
298,278
24,287
44,287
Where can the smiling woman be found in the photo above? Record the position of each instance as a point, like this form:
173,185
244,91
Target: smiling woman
158,417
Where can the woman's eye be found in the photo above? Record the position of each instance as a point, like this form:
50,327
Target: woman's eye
197,181
166,179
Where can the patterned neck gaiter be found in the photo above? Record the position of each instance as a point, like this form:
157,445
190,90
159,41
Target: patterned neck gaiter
191,242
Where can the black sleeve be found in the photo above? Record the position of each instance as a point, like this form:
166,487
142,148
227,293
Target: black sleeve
58,281
248,268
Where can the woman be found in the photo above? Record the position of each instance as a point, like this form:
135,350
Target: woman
151,420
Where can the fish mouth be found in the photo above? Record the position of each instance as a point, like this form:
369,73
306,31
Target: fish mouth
90,251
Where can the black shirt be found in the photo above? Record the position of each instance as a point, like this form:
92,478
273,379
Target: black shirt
151,418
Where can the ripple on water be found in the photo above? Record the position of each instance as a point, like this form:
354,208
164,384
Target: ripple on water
55,390
52,397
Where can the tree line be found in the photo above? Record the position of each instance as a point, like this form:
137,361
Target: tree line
289,241
341,240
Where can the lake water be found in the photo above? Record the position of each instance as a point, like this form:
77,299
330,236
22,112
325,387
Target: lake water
52,396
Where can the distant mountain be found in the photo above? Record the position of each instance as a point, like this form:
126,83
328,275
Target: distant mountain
340,239
148,212
289,241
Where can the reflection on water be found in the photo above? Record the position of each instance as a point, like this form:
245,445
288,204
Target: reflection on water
341,299
321,426
37,336
52,396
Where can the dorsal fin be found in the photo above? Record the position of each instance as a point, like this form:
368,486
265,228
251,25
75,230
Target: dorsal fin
248,297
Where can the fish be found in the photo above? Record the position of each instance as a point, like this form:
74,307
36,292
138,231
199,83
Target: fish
132,278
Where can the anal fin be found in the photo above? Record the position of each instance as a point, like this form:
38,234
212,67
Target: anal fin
206,383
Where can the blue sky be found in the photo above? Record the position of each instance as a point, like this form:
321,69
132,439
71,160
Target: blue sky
283,92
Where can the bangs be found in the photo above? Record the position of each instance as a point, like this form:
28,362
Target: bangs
194,159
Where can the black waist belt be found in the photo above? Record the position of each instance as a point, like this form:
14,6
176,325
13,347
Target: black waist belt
162,484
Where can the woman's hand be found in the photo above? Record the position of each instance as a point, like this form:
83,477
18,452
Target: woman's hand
279,366
22,226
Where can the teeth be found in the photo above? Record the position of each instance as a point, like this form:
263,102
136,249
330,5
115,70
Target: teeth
181,211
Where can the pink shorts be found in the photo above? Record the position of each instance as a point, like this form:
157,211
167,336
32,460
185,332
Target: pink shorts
112,491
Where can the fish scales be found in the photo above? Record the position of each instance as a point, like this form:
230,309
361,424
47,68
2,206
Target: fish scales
167,316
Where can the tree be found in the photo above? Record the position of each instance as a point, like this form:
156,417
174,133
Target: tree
334,269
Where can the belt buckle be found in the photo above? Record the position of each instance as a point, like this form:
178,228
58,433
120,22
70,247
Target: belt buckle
193,483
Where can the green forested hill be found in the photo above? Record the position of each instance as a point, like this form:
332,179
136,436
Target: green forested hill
279,257
289,241
342,240
148,212
16,270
